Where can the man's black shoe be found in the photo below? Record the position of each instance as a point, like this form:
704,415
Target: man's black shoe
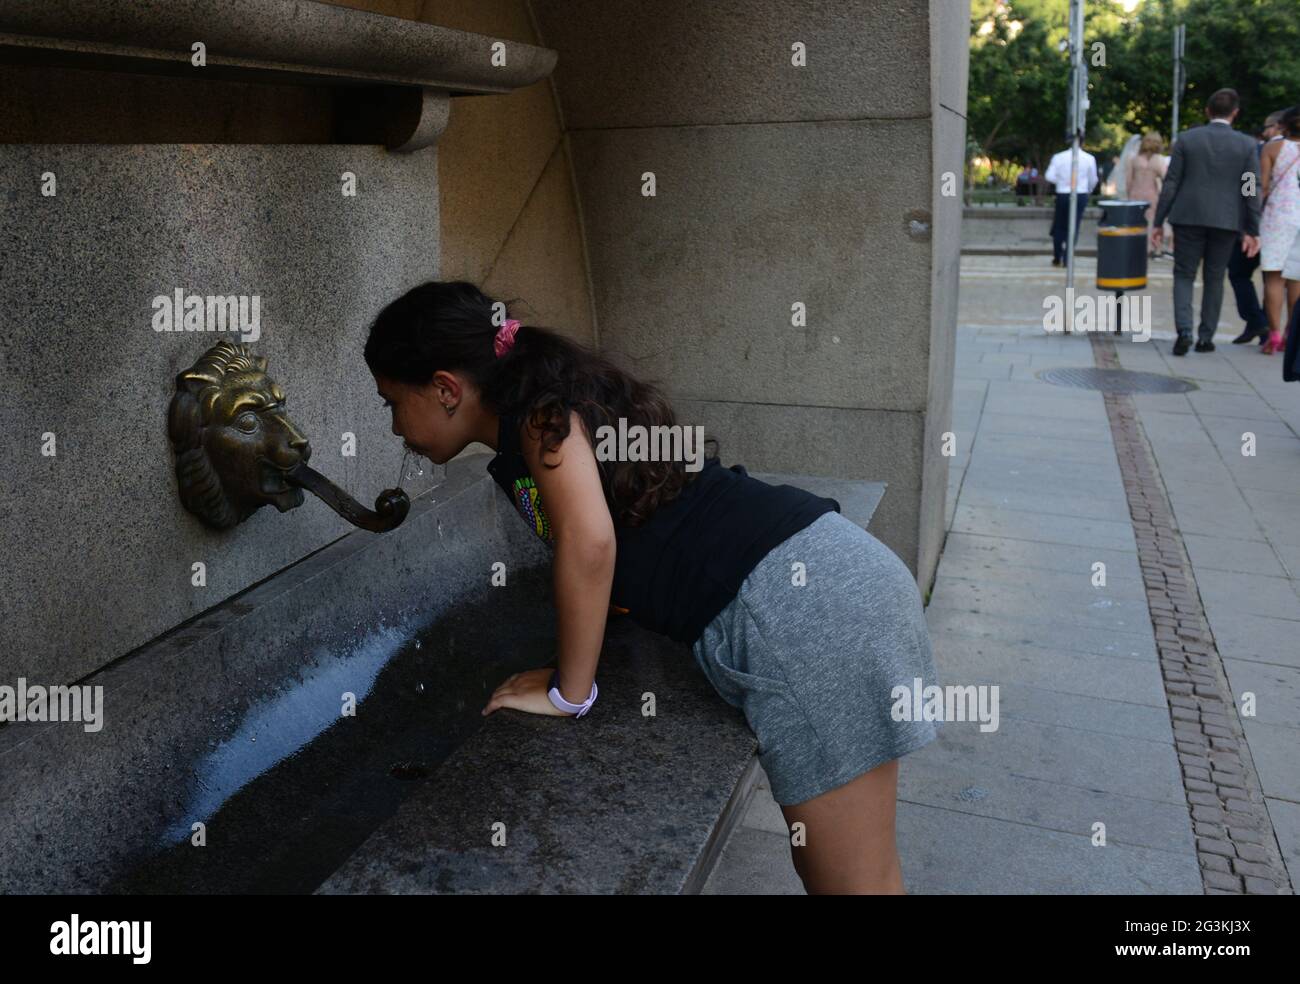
1205,346
1182,345
1250,336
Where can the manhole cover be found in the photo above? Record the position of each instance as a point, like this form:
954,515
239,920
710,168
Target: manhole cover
1116,380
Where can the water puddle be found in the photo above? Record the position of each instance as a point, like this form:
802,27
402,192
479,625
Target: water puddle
297,787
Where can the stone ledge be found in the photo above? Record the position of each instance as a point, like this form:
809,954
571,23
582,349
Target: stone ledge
393,76
614,803
288,41
997,250
1034,213
858,500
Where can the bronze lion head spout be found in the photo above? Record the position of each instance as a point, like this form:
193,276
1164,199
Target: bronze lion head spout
237,450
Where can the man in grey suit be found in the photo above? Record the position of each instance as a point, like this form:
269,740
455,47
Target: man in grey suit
1209,197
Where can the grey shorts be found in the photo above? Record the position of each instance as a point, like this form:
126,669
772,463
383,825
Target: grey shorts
814,665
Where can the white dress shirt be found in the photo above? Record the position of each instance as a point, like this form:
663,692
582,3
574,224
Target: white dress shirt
1058,172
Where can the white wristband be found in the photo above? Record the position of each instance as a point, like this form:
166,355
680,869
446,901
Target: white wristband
557,698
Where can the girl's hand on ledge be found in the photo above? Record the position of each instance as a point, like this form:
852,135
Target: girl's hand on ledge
526,691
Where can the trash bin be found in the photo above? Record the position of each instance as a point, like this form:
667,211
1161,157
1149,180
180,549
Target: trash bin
1122,245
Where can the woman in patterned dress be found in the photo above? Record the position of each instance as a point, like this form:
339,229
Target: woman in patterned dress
1280,186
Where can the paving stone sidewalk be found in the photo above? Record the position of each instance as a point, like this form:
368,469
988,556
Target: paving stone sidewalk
1086,735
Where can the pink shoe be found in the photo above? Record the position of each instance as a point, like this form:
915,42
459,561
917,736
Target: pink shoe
1276,343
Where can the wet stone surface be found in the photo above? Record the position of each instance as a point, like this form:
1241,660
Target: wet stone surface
289,828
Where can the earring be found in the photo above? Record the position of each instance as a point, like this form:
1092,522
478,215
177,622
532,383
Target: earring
450,409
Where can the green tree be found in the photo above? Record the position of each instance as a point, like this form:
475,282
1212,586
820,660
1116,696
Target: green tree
1252,46
1019,75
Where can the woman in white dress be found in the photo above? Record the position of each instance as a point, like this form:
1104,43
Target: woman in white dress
1121,169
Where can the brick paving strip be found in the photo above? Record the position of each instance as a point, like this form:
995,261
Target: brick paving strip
1235,842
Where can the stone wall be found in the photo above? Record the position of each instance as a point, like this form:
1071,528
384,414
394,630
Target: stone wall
775,186
213,187
99,552
778,186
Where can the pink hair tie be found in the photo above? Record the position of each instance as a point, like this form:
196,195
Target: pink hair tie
505,337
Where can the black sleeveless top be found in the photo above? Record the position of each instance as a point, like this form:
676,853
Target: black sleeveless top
673,574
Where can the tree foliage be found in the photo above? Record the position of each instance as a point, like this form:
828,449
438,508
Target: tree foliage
1019,77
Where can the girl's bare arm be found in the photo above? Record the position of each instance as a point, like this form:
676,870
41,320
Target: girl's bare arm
584,552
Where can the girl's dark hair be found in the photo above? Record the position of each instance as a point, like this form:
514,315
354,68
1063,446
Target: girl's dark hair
449,325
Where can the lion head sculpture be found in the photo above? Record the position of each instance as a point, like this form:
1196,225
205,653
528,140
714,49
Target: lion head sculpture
232,438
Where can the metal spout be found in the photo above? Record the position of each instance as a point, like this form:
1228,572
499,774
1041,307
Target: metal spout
391,505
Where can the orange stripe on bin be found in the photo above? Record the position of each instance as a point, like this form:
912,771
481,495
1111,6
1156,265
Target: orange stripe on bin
1122,231
1121,281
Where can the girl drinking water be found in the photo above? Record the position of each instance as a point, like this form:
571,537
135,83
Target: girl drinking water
796,615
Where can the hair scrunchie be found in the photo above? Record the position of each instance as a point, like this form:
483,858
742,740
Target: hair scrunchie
505,337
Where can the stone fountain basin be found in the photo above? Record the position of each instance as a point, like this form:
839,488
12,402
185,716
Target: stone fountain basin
234,721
